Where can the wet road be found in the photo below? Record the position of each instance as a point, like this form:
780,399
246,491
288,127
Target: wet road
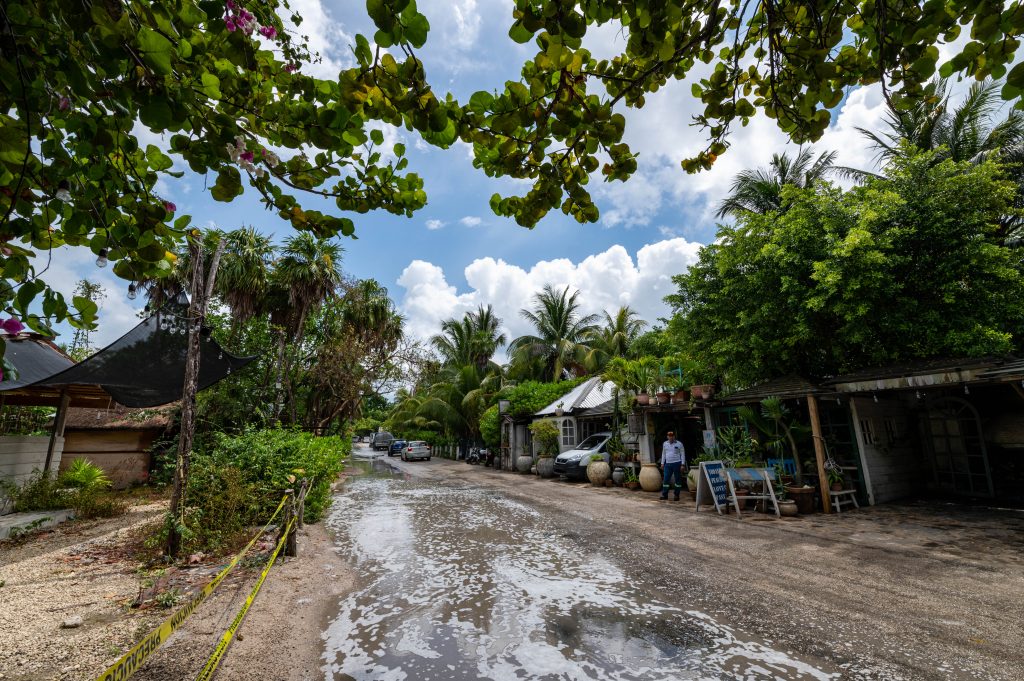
457,582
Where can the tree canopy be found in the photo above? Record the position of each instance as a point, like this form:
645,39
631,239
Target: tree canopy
904,267
82,82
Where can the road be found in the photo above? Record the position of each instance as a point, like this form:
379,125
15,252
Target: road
469,573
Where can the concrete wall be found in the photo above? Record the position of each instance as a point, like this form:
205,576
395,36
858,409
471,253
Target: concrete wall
20,455
893,466
122,454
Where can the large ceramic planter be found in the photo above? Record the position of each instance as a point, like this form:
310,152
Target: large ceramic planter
524,464
788,508
598,472
650,478
804,498
546,466
691,479
618,476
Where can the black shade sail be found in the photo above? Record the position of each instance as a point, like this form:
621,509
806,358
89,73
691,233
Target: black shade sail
143,368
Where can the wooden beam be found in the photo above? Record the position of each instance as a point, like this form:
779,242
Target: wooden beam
819,451
58,428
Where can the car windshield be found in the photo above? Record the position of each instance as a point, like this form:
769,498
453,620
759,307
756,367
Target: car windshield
592,442
417,444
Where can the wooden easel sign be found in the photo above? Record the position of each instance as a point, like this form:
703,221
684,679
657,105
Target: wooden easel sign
712,487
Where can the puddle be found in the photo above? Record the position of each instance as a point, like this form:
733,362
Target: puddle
456,584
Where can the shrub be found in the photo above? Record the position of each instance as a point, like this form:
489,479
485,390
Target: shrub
41,492
83,474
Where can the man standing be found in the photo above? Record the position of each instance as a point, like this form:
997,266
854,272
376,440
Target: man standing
672,457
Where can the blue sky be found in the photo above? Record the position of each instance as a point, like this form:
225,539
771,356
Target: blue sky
455,254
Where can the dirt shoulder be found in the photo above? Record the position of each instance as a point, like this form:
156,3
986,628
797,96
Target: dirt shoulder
83,570
914,592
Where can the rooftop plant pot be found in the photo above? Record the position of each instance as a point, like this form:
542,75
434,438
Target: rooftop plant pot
643,398
546,466
703,390
681,397
663,397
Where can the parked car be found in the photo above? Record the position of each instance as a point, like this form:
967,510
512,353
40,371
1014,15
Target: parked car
396,447
417,449
381,441
573,463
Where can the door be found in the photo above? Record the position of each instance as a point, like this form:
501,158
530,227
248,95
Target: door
953,436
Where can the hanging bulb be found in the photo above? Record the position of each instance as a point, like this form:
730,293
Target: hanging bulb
917,394
220,355
967,391
875,396
229,370
132,291
101,259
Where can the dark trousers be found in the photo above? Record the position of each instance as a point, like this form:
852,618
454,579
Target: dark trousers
672,470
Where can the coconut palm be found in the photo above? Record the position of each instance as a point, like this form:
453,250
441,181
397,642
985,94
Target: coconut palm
560,342
760,190
615,337
472,340
243,275
965,133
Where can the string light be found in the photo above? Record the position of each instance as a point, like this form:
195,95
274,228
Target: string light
101,259
132,291
875,397
967,391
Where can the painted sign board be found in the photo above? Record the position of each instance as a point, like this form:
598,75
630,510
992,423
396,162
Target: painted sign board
709,439
712,485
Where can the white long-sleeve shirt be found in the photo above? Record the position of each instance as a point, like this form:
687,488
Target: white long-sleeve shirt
672,452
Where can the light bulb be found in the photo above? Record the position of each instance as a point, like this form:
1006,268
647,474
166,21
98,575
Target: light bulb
967,391
101,259
132,291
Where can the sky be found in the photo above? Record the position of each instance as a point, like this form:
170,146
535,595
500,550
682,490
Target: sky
455,254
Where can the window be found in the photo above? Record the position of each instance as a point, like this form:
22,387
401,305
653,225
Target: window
866,428
892,431
568,433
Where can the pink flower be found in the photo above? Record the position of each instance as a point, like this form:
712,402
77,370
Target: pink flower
12,326
246,156
169,207
268,32
230,25
231,4
290,68
64,103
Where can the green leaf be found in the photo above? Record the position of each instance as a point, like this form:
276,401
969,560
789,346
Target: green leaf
210,85
157,159
156,50
519,33
416,28
377,136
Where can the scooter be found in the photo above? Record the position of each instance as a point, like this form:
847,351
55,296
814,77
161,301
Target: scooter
473,456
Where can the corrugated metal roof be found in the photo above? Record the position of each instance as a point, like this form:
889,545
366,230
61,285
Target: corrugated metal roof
590,393
942,365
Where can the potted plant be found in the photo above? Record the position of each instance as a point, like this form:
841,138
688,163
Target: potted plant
702,382
597,470
558,409
835,479
787,507
779,430
546,435
631,480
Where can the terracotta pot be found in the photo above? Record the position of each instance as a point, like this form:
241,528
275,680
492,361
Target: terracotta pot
643,399
546,466
704,390
650,478
663,397
788,508
837,486
609,483
597,472
803,496
524,464
681,397
635,484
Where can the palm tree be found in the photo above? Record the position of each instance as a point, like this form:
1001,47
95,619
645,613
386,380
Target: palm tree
615,337
760,190
560,343
243,276
965,133
473,340
307,274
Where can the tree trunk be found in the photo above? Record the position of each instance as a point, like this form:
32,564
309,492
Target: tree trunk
196,315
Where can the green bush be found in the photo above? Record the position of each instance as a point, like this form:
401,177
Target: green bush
526,399
84,492
270,459
83,474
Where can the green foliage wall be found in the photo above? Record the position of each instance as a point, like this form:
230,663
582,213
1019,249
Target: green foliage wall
526,398
898,269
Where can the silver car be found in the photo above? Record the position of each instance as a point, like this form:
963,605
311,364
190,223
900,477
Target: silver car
417,449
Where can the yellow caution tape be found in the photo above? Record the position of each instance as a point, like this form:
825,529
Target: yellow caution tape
131,661
222,646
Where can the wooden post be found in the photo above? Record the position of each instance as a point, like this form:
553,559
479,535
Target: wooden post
59,419
301,512
196,314
819,452
291,541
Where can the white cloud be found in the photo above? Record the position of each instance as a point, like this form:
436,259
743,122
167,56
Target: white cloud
435,224
606,281
327,37
471,221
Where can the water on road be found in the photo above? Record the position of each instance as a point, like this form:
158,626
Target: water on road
460,583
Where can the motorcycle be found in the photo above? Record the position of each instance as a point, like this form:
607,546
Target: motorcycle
474,456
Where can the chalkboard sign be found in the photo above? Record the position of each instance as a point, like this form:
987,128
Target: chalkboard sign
712,486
